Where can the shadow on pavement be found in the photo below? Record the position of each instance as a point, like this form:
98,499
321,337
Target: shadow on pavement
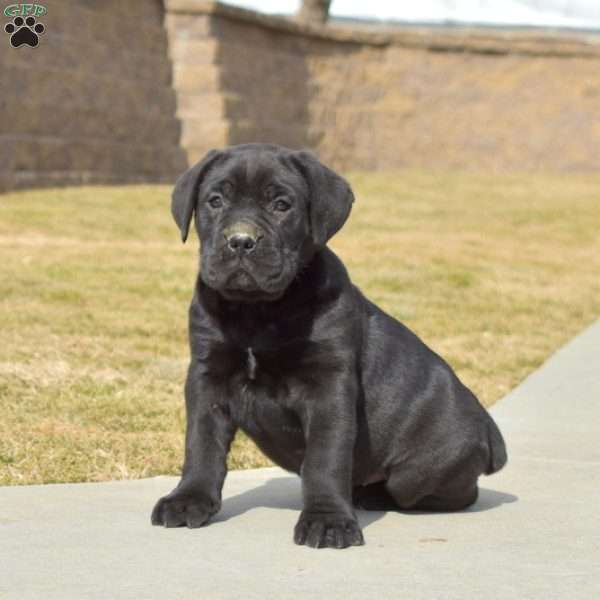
489,499
285,493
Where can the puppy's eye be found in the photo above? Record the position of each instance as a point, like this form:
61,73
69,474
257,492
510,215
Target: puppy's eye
215,201
281,205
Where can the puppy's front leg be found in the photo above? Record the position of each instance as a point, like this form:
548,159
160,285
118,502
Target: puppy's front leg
328,519
208,436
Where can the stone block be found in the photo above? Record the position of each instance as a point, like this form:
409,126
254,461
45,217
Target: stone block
193,51
195,79
188,27
210,131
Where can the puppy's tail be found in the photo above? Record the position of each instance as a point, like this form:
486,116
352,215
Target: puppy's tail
497,448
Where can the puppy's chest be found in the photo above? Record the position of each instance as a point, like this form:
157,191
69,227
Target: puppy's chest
263,392
251,364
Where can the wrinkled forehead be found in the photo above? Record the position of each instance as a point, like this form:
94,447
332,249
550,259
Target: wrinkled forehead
256,170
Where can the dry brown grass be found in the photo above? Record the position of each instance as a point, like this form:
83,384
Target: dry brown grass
494,272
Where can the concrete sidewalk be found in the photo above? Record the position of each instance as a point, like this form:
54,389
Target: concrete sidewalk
533,534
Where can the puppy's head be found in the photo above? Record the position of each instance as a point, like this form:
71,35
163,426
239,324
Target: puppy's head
261,212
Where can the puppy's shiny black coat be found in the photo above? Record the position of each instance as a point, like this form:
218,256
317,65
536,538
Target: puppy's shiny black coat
285,347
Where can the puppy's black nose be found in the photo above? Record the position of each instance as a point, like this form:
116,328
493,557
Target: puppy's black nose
241,243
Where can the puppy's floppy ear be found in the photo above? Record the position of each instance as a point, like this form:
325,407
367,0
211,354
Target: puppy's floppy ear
184,197
330,200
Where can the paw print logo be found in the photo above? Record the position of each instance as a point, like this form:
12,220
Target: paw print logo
24,31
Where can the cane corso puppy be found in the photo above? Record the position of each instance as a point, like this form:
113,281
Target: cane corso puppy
286,348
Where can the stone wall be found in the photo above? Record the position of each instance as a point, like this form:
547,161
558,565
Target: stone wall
384,99
93,101
135,91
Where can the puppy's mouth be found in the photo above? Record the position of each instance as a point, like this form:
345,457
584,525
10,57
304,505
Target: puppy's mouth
241,286
241,280
254,278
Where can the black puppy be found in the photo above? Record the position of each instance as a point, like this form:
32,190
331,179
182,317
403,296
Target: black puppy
284,347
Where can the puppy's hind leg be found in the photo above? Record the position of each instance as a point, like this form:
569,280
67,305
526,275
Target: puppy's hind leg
399,493
411,492
448,503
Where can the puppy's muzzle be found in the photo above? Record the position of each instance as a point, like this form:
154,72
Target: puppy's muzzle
242,238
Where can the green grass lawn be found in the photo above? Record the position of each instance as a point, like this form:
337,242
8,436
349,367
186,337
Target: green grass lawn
493,271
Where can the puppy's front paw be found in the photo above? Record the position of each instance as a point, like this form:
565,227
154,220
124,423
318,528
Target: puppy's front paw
326,530
179,509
